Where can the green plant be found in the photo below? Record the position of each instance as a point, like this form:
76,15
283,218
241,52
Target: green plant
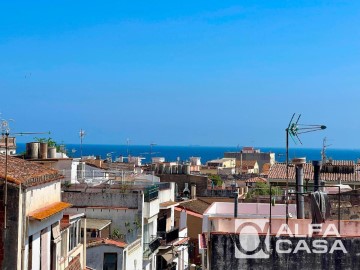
137,223
66,184
50,142
128,227
216,179
262,189
116,234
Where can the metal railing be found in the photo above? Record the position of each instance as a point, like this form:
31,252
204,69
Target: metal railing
151,193
169,236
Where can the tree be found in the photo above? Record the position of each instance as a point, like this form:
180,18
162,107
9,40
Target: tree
216,180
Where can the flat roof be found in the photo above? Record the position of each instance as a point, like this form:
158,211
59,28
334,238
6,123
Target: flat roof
94,223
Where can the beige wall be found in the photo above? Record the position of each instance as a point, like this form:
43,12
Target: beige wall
42,195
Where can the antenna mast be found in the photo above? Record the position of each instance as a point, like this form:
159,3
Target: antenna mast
5,133
82,135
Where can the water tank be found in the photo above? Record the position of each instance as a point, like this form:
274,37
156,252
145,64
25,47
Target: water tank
180,169
43,154
161,169
174,169
167,169
51,152
186,169
32,150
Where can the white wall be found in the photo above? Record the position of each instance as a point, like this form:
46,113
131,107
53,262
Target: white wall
42,195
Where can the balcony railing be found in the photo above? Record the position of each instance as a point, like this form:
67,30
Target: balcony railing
151,193
170,236
151,247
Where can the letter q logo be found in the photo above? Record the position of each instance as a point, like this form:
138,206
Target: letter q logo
254,239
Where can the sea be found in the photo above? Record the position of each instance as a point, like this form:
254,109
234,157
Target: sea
183,153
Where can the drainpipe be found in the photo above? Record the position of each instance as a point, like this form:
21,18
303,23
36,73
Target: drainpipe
299,167
236,202
317,166
84,244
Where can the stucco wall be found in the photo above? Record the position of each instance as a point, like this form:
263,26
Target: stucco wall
42,195
110,199
181,179
95,256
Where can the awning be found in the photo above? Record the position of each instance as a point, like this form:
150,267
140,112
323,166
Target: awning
48,211
97,224
168,255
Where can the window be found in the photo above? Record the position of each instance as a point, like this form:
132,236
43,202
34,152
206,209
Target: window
110,261
64,246
74,230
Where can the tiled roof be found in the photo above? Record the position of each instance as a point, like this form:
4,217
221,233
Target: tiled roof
255,180
27,173
74,264
106,242
196,205
246,163
167,204
278,171
49,210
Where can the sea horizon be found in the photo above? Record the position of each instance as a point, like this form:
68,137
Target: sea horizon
173,152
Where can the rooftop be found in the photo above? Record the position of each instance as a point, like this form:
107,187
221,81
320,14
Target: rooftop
97,224
106,242
26,173
331,173
196,205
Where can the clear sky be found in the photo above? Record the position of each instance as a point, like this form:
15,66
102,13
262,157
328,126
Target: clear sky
181,72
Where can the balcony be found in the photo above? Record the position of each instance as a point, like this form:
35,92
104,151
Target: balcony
168,237
151,247
151,193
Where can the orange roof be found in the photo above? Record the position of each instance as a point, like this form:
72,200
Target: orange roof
25,172
255,180
49,210
107,242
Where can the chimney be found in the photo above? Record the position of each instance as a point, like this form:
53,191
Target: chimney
299,167
193,191
236,202
317,166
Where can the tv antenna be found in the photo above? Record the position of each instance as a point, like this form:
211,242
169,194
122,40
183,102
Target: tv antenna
323,151
82,134
5,133
293,130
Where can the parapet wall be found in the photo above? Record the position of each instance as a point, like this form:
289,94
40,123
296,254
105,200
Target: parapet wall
223,254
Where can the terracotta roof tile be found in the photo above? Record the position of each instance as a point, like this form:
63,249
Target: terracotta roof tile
25,172
49,210
278,171
107,242
196,205
256,179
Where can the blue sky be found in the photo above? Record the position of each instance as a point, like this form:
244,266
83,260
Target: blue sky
181,72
